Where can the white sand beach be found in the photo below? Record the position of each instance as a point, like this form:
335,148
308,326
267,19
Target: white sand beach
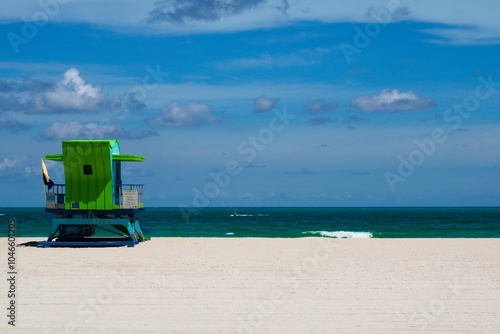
251,285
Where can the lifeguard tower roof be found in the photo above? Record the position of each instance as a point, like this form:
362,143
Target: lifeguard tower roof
113,145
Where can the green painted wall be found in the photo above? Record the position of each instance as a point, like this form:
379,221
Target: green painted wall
89,188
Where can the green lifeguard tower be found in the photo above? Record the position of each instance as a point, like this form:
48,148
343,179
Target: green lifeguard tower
93,197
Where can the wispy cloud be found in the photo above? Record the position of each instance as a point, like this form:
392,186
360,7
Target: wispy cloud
77,130
320,120
12,169
284,7
303,171
130,101
23,85
6,164
183,11
320,106
195,16
391,101
392,14
14,125
298,58
262,104
465,35
137,172
177,115
12,103
247,196
352,119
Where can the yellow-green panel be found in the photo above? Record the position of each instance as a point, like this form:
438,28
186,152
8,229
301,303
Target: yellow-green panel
127,157
55,157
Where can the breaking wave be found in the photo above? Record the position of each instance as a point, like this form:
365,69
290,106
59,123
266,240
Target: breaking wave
340,234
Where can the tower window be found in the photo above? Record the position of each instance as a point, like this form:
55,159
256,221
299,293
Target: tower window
87,169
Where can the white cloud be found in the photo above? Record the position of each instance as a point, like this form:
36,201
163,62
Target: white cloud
77,130
177,115
70,94
392,100
6,164
16,167
263,104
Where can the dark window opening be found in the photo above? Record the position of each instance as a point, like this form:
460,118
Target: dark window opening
87,169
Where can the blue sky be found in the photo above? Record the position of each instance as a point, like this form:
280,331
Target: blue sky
259,103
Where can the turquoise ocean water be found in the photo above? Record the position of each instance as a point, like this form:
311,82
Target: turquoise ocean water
295,222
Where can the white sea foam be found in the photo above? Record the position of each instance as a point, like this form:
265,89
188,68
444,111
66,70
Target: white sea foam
342,234
229,233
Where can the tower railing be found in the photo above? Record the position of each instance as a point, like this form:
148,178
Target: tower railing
54,197
126,195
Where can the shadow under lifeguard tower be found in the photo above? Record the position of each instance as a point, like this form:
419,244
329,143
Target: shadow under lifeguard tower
93,197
